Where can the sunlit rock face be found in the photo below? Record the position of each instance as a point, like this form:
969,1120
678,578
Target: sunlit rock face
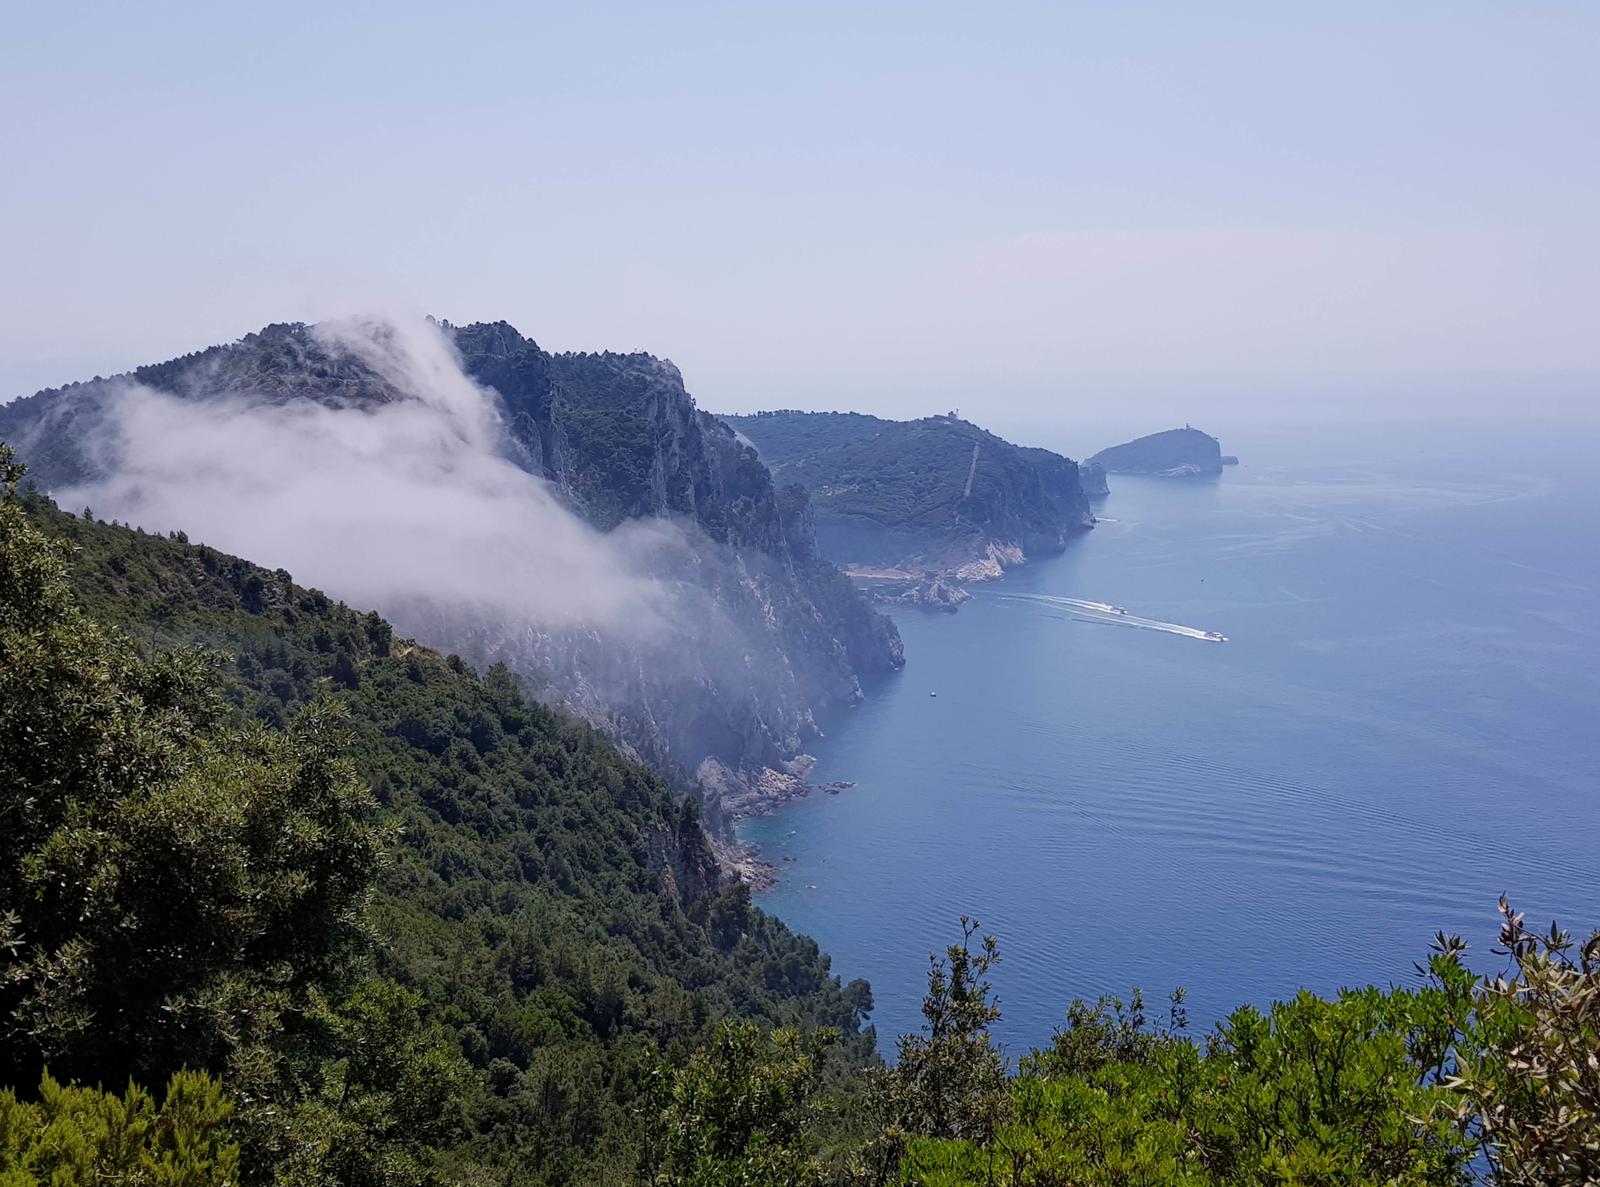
573,515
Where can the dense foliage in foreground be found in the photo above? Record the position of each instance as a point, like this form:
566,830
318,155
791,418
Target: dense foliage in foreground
77,1137
370,918
1457,1079
422,928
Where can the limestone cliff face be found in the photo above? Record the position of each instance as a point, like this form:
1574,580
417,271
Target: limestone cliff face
782,633
684,859
770,632
938,493
932,592
1093,477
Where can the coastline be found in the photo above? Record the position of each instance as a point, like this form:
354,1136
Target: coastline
745,794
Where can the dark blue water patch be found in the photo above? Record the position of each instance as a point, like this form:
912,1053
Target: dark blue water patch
1399,728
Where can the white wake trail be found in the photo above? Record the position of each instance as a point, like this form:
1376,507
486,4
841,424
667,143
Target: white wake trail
1102,607
1105,612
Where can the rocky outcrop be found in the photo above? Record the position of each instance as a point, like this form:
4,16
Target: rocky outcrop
771,632
1093,477
686,859
1176,453
932,591
756,793
938,493
620,434
991,563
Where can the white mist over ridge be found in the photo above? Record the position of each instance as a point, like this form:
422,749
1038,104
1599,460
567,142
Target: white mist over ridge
404,504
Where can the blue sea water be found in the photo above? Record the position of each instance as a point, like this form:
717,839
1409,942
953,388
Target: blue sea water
1401,725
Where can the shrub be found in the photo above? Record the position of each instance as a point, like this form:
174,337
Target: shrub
84,1137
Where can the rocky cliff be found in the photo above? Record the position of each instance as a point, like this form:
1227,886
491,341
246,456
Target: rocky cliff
1176,453
765,631
934,494
932,591
1093,477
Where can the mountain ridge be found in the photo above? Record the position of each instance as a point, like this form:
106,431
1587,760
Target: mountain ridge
938,493
780,633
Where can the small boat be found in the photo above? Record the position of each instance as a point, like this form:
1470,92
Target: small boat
1216,636
933,694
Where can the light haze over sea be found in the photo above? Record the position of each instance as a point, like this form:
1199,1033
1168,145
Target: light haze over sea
1401,726
1239,213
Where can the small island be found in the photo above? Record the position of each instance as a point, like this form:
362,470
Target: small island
1175,453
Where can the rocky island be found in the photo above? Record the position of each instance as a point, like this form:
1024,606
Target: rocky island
1175,453
912,501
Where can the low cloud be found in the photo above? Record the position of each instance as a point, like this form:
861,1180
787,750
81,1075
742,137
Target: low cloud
407,504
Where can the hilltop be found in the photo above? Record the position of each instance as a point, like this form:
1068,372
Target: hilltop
769,635
938,493
1175,453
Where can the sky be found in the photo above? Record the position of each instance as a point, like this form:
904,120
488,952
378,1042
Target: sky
1018,210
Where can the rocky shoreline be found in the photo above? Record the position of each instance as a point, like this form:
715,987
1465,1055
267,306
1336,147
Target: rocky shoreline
941,587
932,591
743,794
743,861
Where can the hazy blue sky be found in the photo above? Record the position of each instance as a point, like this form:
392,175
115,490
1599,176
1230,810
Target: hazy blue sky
894,207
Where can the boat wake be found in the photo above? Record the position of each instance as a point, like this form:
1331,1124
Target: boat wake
1105,612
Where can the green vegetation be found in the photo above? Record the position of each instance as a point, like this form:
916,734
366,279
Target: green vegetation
769,635
1175,453
1404,1086
374,919
889,491
744,1112
1531,1083
81,1137
890,472
492,996
618,451
1456,1080
1312,1091
785,435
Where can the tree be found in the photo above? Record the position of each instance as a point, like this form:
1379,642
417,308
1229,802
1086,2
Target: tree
83,1137
170,891
1351,1090
949,1080
344,671
1531,1082
742,1112
383,1106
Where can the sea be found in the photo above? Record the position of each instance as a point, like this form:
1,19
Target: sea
1402,723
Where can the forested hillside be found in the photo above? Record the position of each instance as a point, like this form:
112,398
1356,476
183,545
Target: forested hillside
936,493
312,904
532,922
760,631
